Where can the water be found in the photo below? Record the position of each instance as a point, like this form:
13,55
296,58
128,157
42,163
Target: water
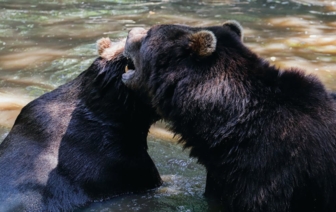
183,187
46,43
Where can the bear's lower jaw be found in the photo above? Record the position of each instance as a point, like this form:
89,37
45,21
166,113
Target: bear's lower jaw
127,76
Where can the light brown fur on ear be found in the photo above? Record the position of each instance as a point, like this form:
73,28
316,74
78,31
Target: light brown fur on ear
203,42
108,50
102,44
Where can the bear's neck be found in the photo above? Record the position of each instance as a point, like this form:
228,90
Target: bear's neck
232,106
195,99
106,103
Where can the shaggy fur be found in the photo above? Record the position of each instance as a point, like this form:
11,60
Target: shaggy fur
266,136
73,145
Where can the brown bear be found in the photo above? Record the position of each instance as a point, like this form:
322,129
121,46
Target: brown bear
84,141
266,136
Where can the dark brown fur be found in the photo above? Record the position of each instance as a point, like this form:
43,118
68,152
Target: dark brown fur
266,136
84,141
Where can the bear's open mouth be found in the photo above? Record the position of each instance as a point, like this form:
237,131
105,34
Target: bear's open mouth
129,71
130,65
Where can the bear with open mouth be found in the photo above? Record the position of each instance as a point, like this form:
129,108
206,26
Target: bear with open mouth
266,136
82,142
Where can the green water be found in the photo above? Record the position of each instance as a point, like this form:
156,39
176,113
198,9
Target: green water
46,43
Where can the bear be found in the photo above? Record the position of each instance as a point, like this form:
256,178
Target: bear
265,135
82,142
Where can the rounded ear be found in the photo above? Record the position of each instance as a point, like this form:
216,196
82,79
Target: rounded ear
102,44
203,42
235,27
107,50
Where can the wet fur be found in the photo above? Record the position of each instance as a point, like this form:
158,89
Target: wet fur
266,136
84,141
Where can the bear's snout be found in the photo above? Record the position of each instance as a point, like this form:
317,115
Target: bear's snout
137,33
134,39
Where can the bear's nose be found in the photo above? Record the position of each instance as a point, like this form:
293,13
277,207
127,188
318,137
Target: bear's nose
133,41
136,34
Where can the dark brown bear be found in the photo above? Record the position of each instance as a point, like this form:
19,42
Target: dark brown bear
266,136
85,141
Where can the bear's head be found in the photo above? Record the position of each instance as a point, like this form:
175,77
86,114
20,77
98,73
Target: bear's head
168,56
105,81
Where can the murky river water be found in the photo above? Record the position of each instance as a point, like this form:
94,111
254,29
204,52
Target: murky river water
45,43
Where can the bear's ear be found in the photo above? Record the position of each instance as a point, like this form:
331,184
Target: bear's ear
102,44
108,51
235,27
203,42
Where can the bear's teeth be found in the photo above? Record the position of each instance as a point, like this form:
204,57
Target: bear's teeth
126,68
